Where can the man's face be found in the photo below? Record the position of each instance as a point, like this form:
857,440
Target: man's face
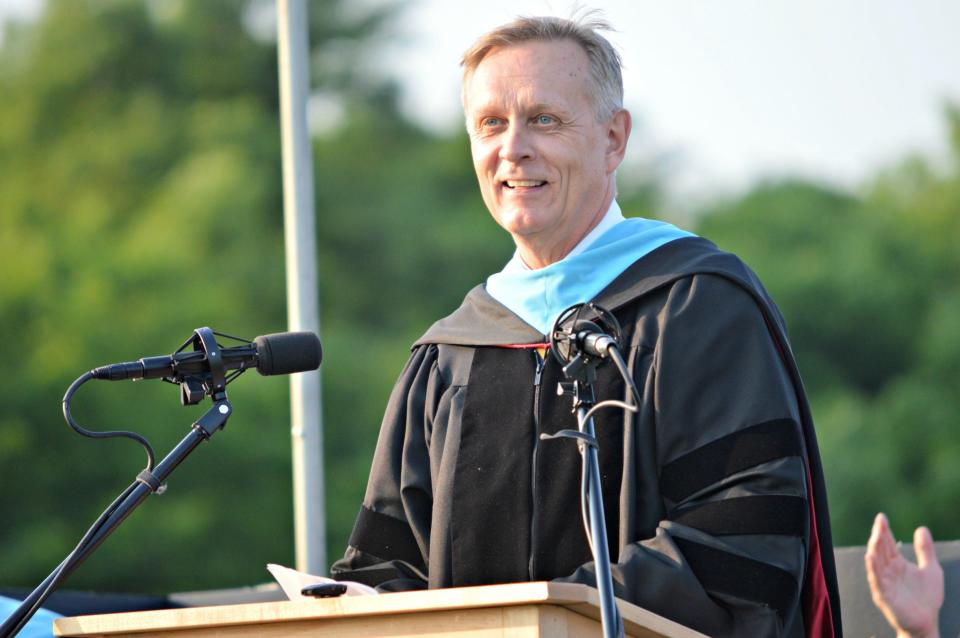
544,163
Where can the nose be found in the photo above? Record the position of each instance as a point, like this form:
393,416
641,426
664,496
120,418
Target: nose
517,144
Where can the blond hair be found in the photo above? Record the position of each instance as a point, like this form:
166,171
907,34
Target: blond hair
605,75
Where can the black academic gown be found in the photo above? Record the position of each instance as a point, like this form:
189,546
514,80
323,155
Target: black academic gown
715,505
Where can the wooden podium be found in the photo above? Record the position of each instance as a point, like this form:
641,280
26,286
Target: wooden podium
521,610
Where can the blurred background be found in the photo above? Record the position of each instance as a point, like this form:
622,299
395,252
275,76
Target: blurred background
140,198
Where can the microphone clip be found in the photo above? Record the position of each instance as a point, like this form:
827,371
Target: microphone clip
193,387
580,340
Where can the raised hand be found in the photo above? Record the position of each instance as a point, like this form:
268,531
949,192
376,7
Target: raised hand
909,595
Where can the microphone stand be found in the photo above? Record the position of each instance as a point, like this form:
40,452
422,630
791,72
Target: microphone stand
586,346
581,389
146,484
274,354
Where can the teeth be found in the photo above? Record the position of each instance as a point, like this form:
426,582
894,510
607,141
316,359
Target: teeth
524,182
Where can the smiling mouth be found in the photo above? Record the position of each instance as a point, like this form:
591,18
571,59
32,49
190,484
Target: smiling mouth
523,183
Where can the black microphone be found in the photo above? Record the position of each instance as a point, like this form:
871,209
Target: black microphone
584,333
591,339
278,353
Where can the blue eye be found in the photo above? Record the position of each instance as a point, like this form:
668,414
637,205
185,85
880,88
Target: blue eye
490,121
545,119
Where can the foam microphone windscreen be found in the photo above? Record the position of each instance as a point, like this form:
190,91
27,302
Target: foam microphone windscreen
288,352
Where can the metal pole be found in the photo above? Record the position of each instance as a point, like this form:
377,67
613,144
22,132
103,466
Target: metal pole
306,427
609,614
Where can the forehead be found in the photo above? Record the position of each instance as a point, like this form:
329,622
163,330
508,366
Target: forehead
531,73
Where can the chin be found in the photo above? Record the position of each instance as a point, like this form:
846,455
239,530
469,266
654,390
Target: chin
521,222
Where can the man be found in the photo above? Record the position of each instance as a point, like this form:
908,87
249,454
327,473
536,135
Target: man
715,507
910,596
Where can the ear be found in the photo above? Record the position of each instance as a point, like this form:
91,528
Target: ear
618,132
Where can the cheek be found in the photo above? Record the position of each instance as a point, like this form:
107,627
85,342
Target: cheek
481,150
484,173
484,164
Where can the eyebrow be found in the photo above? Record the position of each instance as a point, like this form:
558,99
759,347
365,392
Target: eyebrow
485,110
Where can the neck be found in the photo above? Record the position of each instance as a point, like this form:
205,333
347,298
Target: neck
535,258
539,252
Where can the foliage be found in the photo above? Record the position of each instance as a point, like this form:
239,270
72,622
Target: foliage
140,199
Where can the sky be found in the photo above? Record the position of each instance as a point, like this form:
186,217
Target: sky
728,92
725,92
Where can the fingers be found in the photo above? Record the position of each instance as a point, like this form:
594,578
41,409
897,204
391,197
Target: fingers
923,545
873,569
876,558
879,523
881,547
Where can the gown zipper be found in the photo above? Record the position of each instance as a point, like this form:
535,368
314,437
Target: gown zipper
537,378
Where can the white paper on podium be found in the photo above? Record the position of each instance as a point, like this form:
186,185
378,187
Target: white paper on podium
291,582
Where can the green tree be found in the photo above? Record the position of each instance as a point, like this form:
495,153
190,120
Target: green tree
141,199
